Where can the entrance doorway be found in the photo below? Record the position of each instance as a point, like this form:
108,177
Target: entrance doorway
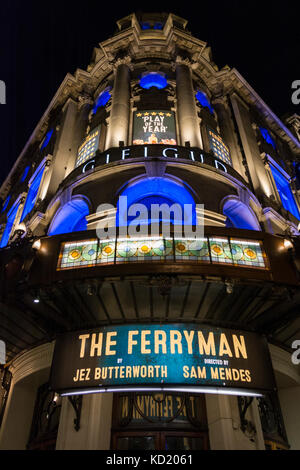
158,440
159,421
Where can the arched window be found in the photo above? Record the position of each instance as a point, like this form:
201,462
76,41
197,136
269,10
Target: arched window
267,137
239,215
70,218
11,218
25,173
153,79
285,192
157,190
102,99
34,187
6,202
204,101
47,139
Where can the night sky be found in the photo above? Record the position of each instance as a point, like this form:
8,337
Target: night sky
40,42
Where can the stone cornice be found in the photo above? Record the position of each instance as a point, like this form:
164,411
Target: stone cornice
242,86
32,361
282,362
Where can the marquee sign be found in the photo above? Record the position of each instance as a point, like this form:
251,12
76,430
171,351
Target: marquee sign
155,357
174,152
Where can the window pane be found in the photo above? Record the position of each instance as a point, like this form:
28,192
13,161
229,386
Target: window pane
285,192
136,443
183,443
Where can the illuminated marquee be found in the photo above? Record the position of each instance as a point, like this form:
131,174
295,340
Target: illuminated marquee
172,356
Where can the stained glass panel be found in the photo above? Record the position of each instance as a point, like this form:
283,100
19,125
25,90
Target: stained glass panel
192,250
220,250
248,253
78,254
214,250
106,252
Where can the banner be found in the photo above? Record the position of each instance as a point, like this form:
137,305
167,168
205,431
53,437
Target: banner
154,127
177,355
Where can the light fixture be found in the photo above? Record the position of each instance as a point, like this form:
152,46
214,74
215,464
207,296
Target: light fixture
178,388
229,286
36,245
91,290
36,298
287,244
20,229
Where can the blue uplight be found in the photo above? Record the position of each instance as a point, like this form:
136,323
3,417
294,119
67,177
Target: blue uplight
157,190
239,215
70,218
266,135
5,203
203,100
153,79
285,192
11,216
103,98
25,173
32,193
145,25
47,139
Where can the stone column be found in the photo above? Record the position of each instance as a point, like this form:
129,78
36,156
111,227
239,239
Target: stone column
95,424
189,126
29,370
119,115
66,147
227,130
84,106
255,163
290,407
224,424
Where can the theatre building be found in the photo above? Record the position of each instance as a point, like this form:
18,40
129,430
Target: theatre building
119,336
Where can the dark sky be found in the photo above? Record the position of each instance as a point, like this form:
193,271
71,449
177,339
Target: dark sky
40,42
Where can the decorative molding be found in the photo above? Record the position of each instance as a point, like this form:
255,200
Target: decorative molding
32,361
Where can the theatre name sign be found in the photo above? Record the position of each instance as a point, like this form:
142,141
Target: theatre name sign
154,357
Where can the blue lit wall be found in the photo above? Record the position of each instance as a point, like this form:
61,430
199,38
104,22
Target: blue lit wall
157,190
285,193
239,215
153,79
32,193
11,216
70,218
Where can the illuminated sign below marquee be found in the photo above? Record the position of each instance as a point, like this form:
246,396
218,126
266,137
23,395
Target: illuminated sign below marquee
177,357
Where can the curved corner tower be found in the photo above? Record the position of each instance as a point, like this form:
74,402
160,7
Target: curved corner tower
158,317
